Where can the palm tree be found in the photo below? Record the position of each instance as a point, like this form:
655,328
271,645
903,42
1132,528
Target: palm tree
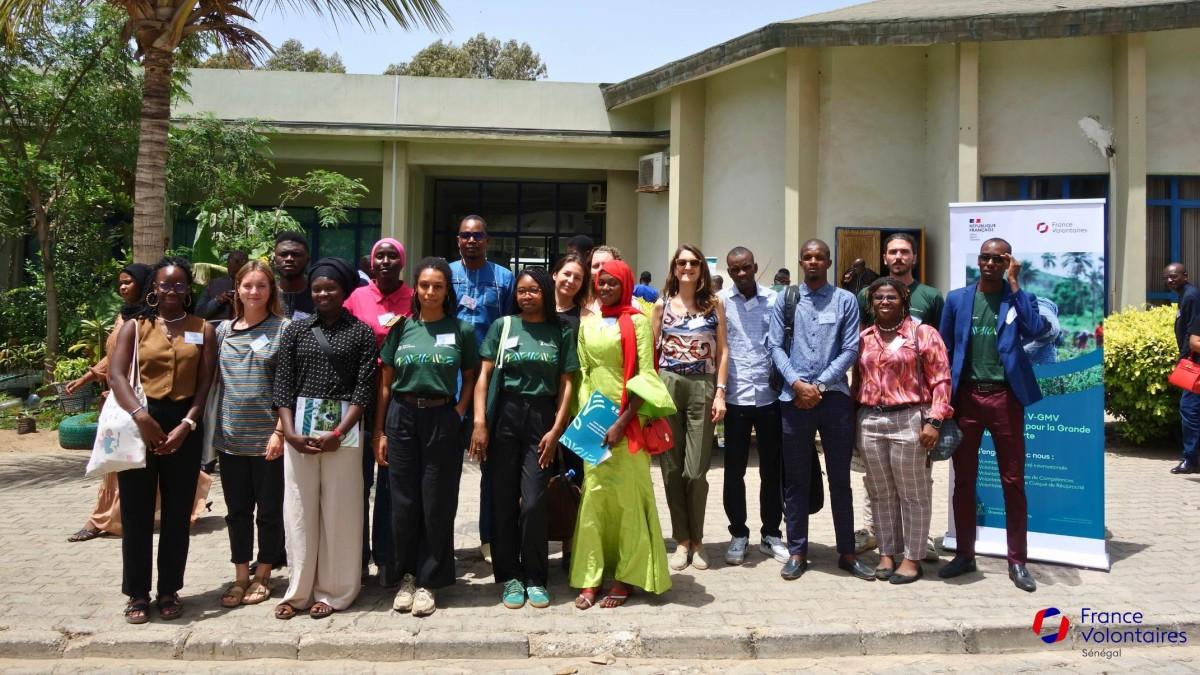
1079,264
158,27
1049,261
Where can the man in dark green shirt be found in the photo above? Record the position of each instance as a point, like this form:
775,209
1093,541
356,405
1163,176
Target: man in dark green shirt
900,259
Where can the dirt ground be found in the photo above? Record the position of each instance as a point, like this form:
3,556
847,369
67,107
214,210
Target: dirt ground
38,443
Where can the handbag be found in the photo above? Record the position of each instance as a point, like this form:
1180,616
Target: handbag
562,502
496,383
1186,375
119,445
949,436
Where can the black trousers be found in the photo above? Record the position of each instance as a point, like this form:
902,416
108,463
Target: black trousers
253,490
765,420
424,467
174,477
833,418
519,521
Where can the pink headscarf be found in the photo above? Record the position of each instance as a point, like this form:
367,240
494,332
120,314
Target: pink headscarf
388,240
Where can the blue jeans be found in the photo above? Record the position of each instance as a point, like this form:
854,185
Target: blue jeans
1189,413
833,419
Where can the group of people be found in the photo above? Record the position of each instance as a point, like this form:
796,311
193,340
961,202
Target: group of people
316,387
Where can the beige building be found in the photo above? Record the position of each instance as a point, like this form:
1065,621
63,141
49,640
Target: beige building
843,125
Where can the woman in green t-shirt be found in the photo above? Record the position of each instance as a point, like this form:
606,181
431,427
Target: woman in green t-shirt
530,414
422,359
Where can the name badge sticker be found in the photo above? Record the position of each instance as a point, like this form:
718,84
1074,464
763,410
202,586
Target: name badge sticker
260,342
696,323
896,343
298,315
193,338
468,302
752,303
826,317
446,340
386,318
511,343
1012,315
609,320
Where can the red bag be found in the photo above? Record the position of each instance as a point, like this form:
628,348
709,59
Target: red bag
1186,375
654,437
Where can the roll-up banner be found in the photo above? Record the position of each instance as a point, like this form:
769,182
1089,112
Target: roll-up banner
1061,246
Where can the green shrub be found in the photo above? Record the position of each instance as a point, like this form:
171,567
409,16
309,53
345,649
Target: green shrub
1139,355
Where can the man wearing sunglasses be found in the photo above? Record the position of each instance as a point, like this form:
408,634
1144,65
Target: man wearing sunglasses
484,291
984,326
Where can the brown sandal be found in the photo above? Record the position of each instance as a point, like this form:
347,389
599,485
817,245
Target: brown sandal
170,607
137,610
86,534
233,595
320,610
258,591
284,611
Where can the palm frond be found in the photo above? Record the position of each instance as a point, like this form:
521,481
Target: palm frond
18,15
408,14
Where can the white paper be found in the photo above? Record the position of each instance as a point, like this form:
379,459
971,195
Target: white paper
386,318
193,338
511,343
260,342
468,302
826,317
445,340
1012,315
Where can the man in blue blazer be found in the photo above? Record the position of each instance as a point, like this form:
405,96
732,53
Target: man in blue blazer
984,327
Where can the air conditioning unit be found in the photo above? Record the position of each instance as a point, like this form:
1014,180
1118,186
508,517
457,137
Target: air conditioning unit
654,172
595,198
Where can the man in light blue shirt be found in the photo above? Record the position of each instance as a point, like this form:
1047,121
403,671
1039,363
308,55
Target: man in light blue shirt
484,291
824,346
750,403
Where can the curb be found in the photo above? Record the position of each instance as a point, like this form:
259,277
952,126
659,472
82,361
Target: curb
814,641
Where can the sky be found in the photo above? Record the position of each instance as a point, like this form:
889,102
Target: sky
579,40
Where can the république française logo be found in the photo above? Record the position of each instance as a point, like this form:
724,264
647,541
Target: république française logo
1057,635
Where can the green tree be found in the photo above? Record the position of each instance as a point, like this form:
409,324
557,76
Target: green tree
228,61
1079,264
214,164
291,55
68,100
480,57
160,29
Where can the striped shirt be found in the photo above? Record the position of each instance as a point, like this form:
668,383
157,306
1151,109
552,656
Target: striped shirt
749,360
246,361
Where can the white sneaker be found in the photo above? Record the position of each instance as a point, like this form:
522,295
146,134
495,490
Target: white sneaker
424,603
678,560
404,598
736,553
773,547
864,541
485,550
931,550
699,560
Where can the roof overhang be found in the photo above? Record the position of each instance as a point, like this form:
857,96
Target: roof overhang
984,27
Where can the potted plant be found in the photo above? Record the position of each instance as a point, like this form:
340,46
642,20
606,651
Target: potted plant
65,371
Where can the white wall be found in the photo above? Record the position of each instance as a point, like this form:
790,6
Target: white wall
652,253
941,159
1032,94
1173,102
872,155
743,162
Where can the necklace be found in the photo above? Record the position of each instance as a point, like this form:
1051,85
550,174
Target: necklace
181,317
892,329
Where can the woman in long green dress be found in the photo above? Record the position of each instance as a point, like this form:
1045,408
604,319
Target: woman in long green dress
617,534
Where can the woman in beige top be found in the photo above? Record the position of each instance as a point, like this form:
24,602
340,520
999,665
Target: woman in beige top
176,357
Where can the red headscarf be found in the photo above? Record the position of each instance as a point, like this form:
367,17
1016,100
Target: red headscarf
624,310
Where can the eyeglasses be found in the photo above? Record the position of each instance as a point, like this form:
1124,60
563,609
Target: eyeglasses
687,263
472,236
529,291
998,259
179,287
890,297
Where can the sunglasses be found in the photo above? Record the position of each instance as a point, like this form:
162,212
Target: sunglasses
687,263
472,236
998,259
179,287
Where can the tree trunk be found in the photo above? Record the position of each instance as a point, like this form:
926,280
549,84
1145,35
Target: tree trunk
46,244
150,187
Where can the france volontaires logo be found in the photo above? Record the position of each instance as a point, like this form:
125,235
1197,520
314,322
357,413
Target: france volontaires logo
1055,634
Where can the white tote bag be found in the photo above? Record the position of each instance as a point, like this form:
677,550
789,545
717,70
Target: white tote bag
119,443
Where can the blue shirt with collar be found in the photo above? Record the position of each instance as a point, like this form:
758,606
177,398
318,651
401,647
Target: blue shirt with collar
824,339
747,322
490,292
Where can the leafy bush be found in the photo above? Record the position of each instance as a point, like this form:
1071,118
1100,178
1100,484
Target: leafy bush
1071,383
23,315
1139,355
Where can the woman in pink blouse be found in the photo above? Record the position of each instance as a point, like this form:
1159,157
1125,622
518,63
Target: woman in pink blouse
902,385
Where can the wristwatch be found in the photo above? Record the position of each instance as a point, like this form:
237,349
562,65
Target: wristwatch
934,422
190,422
820,387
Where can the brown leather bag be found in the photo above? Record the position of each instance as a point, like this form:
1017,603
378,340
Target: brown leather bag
562,503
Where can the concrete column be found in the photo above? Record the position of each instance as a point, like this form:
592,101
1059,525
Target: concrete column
968,122
620,216
395,192
802,145
1127,187
686,194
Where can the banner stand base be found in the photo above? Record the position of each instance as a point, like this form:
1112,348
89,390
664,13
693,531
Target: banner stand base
1052,548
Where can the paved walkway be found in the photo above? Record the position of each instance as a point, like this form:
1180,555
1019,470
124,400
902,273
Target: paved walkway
64,599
